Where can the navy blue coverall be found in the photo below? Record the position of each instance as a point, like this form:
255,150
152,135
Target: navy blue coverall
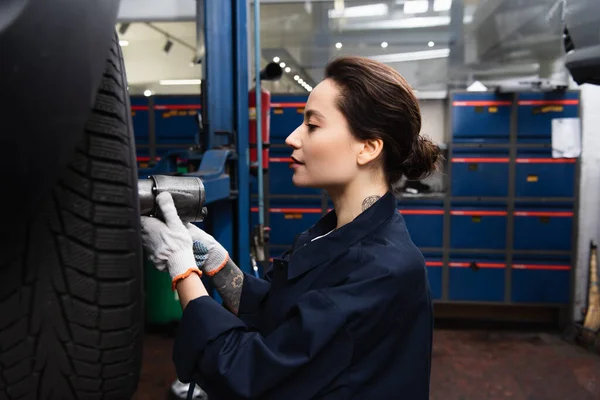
345,316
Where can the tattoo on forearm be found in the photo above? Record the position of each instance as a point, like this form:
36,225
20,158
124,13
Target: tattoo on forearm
369,201
228,283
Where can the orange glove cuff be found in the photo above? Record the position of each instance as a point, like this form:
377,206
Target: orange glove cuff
185,275
213,272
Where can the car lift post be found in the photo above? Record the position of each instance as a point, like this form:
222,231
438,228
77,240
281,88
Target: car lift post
225,72
223,142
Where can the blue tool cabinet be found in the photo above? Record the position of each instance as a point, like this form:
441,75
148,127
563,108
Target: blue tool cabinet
479,278
478,227
140,111
481,117
176,119
287,113
537,110
540,175
434,275
280,181
483,173
511,207
425,224
543,229
540,281
287,222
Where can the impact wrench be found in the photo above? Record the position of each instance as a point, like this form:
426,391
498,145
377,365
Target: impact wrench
189,197
187,192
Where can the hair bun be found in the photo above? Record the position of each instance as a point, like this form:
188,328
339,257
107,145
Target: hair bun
423,159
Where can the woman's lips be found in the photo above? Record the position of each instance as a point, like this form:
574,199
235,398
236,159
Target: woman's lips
295,163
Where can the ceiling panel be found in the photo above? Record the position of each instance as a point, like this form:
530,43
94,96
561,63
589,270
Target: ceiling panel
499,33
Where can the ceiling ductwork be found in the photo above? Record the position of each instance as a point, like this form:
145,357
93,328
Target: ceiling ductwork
517,39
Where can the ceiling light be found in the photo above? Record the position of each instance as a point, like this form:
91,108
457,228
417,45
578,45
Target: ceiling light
412,56
123,43
275,59
282,64
430,44
407,23
176,82
300,81
338,45
296,77
442,5
384,44
147,92
416,6
370,10
287,69
309,89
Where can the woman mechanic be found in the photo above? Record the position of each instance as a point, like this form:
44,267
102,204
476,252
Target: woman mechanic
346,313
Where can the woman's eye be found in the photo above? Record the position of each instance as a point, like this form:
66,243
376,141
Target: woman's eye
311,127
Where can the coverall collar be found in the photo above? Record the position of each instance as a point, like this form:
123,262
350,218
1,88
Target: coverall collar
307,255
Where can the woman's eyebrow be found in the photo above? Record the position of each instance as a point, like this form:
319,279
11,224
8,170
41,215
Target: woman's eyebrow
313,113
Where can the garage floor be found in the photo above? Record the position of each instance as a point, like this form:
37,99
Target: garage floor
467,365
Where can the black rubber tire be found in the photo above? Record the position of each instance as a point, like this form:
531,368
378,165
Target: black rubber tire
71,306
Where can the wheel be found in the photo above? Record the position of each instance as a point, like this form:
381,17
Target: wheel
71,305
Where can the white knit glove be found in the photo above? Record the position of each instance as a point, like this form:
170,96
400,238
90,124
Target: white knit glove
169,243
210,256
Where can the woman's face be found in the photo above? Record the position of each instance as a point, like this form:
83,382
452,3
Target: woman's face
325,152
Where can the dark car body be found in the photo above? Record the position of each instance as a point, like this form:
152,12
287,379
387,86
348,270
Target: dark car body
52,56
582,40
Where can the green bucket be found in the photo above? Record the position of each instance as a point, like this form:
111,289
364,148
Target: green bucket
162,303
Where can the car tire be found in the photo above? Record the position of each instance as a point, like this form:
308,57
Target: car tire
71,304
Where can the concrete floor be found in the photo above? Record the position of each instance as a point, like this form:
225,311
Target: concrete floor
467,365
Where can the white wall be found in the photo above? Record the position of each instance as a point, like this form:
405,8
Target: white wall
433,117
589,191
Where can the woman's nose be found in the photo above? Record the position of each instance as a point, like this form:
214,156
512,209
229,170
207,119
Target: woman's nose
293,139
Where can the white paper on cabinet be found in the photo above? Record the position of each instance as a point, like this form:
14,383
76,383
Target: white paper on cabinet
566,137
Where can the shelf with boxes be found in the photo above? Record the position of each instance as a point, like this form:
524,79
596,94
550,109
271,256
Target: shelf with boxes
510,215
164,123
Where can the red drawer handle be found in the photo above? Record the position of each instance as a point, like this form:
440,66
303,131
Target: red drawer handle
476,213
480,159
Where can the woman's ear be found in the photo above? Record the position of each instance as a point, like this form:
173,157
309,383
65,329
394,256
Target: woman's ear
371,149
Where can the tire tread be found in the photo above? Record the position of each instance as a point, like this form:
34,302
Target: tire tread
74,321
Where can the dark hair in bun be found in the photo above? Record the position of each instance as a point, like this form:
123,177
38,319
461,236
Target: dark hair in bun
379,103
